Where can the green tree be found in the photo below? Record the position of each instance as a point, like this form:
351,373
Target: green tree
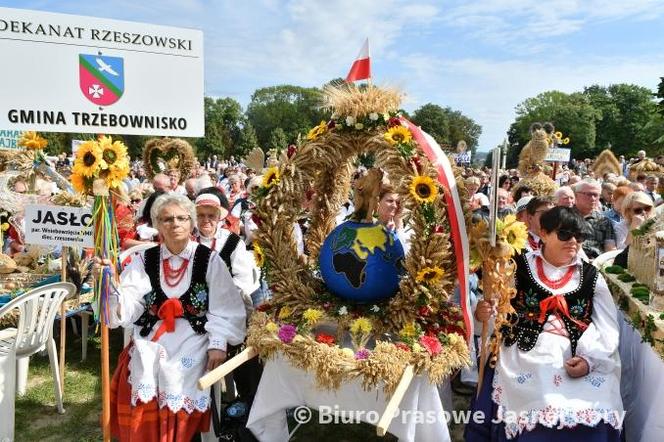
246,142
278,139
447,126
572,114
625,110
294,109
223,119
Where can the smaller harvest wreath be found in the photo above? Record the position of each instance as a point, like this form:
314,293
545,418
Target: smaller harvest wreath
317,331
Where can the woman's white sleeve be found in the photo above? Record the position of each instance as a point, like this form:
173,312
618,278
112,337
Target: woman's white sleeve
599,343
128,304
226,314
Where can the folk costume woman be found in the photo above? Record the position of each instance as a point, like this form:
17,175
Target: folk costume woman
185,310
230,247
557,377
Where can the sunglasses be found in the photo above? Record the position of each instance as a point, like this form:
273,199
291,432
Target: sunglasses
641,210
566,235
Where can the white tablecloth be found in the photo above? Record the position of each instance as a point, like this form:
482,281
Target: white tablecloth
642,386
282,387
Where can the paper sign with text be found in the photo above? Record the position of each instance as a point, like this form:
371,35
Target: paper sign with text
558,155
58,225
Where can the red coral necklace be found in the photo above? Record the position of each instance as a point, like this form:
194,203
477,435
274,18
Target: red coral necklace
172,277
552,284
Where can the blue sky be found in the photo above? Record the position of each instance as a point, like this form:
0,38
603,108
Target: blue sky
481,57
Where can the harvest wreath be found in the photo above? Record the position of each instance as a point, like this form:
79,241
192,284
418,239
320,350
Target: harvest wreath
417,326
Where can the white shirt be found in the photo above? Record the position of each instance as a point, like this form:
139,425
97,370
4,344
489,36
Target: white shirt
535,383
169,369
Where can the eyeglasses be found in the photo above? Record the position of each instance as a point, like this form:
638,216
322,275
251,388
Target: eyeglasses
566,235
180,219
640,210
590,194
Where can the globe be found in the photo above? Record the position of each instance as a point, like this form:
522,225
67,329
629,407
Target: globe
361,262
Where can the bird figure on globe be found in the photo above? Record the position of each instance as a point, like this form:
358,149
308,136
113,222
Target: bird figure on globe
361,260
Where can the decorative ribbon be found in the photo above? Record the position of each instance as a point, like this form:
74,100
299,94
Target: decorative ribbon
455,214
557,304
168,312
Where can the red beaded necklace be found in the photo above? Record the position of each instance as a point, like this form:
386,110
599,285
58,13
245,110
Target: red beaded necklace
549,283
172,277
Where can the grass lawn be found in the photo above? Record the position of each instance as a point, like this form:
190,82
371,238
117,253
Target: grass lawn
38,420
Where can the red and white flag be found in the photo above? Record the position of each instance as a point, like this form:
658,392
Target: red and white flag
361,69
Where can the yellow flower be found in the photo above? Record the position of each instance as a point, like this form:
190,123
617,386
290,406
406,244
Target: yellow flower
430,274
317,131
31,140
423,189
78,183
559,135
285,312
88,159
112,152
398,135
312,315
417,348
409,331
515,232
259,256
271,177
454,339
4,226
566,140
361,325
115,175
271,327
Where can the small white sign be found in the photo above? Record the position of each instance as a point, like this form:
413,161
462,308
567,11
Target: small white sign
93,75
58,225
558,155
463,157
9,139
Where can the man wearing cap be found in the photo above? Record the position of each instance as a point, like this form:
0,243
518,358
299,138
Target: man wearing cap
533,209
231,247
521,214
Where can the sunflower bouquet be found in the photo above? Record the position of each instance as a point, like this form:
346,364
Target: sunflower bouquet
99,168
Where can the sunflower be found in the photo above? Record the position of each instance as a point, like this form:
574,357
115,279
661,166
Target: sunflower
78,183
259,256
566,140
271,177
515,232
430,275
398,135
115,175
88,159
423,189
559,135
317,131
31,140
112,151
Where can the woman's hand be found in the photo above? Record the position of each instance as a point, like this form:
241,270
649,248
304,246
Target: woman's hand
484,310
577,367
99,264
216,357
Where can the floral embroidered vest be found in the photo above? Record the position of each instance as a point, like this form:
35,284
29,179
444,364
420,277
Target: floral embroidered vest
194,300
525,327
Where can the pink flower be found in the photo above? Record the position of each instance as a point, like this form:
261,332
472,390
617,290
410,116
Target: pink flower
394,121
362,354
432,344
287,333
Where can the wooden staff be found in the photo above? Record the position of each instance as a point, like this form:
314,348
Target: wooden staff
105,381
220,372
395,400
63,322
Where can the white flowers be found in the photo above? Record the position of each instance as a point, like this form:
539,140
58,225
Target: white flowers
350,120
359,126
373,116
375,308
343,310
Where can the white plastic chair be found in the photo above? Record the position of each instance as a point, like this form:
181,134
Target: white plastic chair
34,333
605,258
7,382
123,256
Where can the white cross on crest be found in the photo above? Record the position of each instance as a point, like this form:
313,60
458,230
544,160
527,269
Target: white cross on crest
96,91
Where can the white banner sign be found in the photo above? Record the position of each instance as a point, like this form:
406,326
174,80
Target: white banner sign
83,74
58,225
463,157
9,139
558,155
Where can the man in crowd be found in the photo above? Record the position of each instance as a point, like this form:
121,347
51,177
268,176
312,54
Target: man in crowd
601,236
564,196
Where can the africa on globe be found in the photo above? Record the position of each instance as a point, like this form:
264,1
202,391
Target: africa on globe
361,262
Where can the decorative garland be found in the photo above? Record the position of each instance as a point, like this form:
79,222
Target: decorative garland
408,328
163,154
